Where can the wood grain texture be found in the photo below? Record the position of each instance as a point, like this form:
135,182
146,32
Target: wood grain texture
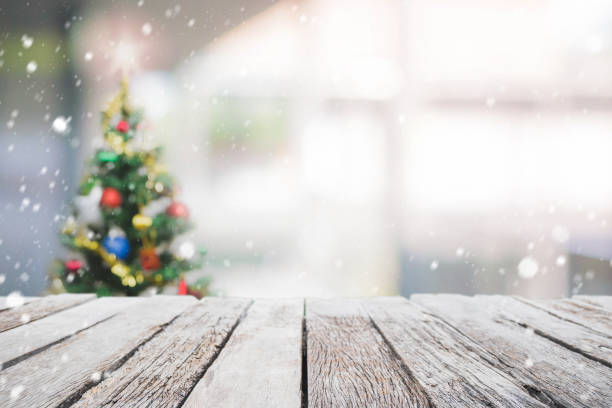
604,302
163,371
349,363
576,325
260,366
552,373
4,304
445,362
578,311
23,341
39,308
61,373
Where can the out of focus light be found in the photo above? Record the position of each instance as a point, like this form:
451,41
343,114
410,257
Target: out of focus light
155,92
125,57
344,159
466,162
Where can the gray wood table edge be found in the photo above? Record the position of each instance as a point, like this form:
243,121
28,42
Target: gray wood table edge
426,351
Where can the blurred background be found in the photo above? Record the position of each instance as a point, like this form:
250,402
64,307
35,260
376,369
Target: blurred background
329,147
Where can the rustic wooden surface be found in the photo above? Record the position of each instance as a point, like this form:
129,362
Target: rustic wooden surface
350,364
260,366
429,351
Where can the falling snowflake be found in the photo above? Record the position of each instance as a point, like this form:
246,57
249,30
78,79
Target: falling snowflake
26,41
528,267
24,203
31,67
434,265
560,234
14,299
16,392
561,260
60,124
89,56
147,28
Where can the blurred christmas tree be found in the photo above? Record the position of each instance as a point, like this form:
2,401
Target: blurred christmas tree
126,229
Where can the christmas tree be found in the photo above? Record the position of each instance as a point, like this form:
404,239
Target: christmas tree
126,230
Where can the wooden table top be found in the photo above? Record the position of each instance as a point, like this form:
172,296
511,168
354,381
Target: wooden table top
429,351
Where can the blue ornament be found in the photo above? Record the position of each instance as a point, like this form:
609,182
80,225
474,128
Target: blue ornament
117,245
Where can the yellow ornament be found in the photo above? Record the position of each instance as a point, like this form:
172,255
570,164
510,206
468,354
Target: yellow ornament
116,142
129,281
120,270
141,222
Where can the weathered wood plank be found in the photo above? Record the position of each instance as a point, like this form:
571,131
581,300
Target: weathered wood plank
260,366
40,308
5,303
605,302
443,360
581,325
349,363
23,341
165,369
61,373
552,373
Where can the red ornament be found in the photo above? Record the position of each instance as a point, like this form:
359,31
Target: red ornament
111,198
177,210
123,126
182,287
73,265
149,259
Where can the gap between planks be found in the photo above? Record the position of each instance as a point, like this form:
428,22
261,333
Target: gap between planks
551,372
350,364
60,374
39,308
376,320
267,340
23,342
165,370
